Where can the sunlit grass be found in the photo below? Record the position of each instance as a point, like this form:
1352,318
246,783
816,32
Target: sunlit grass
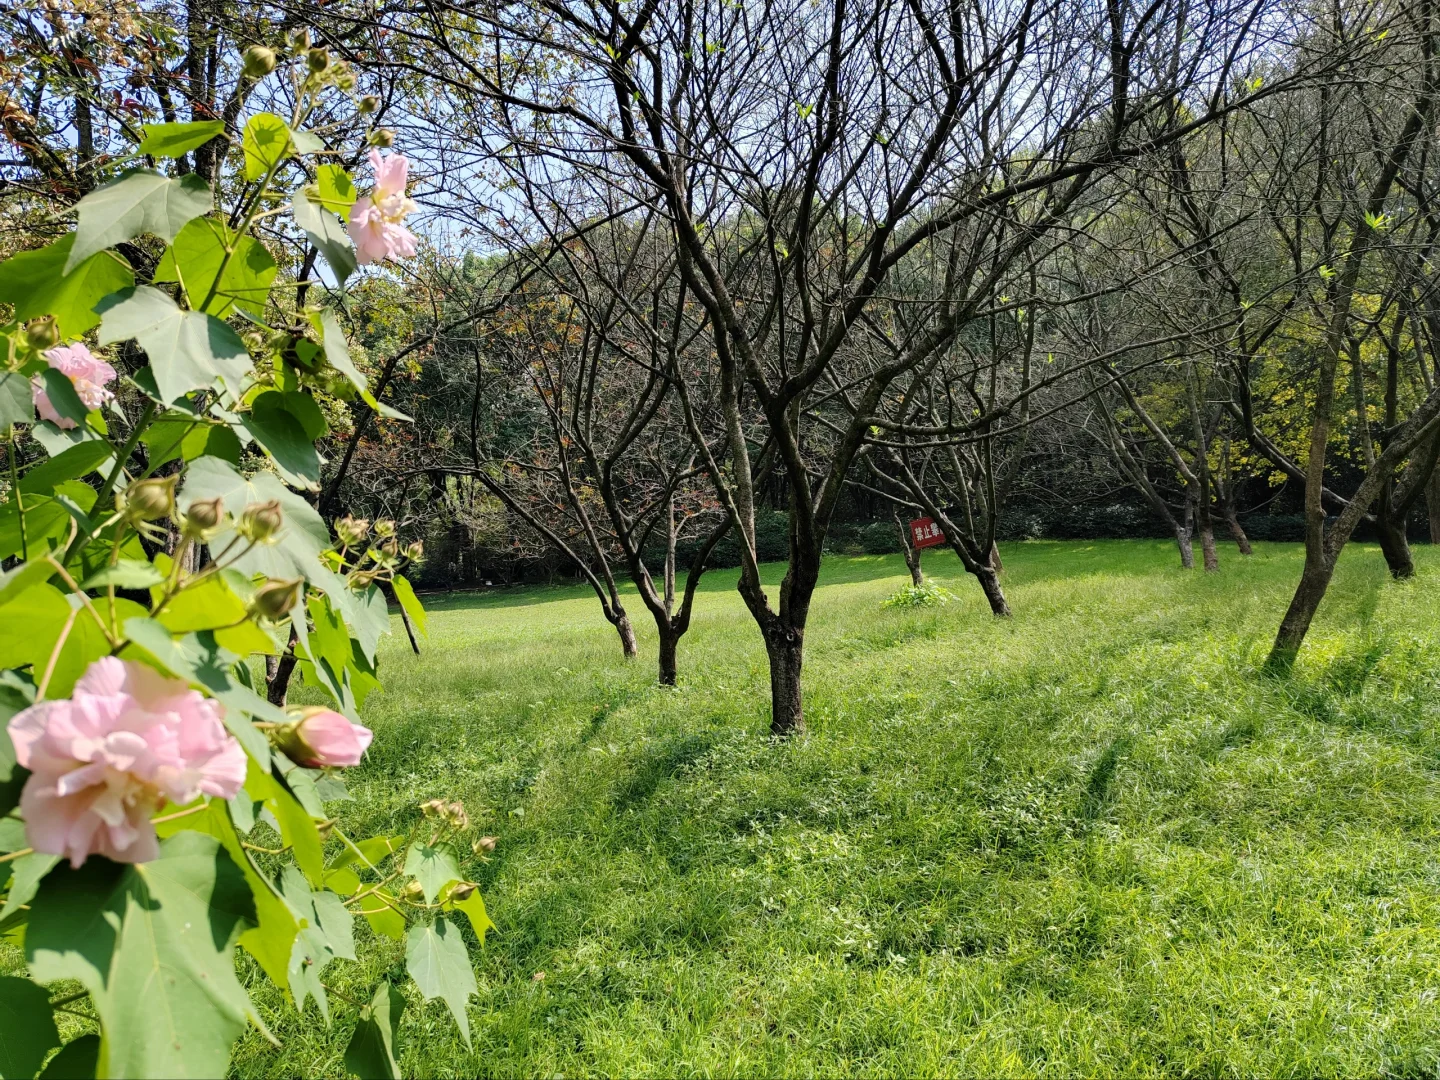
1091,839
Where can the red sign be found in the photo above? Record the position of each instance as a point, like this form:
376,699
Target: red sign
925,533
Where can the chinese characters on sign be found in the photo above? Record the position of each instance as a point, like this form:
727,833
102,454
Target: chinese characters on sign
925,533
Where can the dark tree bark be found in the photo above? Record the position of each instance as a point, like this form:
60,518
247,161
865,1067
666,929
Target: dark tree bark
912,553
278,671
1395,546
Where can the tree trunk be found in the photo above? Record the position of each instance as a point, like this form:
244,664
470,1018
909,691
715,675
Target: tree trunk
1207,545
1237,532
785,647
912,553
626,632
1187,552
1314,580
278,670
990,583
1394,545
668,643
995,563
1432,505
912,561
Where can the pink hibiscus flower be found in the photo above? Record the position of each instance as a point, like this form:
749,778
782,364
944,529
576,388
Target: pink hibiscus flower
103,761
374,223
86,372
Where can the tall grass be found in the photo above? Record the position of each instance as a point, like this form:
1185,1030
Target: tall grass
1089,839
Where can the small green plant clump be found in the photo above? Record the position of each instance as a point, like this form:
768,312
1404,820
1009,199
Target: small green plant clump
926,594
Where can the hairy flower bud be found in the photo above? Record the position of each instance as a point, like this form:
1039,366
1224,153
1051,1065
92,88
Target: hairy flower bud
462,891
412,890
343,77
150,500
368,104
415,552
389,549
42,333
276,597
317,60
432,807
352,530
384,527
259,522
455,814
298,40
382,137
485,844
204,516
259,61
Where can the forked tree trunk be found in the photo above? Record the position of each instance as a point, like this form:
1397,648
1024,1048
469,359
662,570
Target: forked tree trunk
1237,532
995,562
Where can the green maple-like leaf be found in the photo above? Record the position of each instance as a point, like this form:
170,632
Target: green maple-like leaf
141,201
405,593
324,230
266,142
37,283
374,1048
436,958
212,282
434,867
27,1027
154,944
188,350
173,140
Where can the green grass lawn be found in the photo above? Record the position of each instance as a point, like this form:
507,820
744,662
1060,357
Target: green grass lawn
1090,839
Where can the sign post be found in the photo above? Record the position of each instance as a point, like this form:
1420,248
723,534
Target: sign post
925,533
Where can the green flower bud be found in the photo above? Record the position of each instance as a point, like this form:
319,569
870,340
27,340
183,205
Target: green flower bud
484,844
317,60
204,516
150,500
259,61
42,333
276,598
351,530
343,77
415,552
368,104
381,137
384,527
462,891
412,890
298,40
261,521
